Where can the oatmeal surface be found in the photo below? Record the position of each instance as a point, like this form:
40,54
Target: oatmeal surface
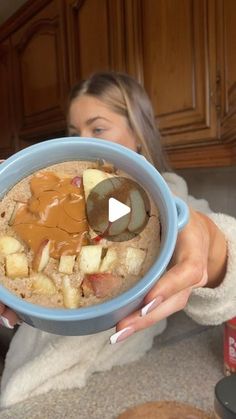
55,259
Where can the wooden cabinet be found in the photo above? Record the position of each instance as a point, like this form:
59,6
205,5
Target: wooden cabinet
6,106
182,46
40,74
226,68
183,52
88,35
177,70
93,44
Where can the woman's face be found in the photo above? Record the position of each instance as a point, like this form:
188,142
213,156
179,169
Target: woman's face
90,117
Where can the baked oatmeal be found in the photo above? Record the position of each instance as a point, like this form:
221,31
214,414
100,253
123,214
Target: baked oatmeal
50,255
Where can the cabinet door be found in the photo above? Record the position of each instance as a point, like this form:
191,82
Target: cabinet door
176,67
226,19
95,37
40,73
6,111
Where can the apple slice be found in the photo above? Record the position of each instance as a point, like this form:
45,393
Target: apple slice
71,295
17,265
119,226
66,264
109,261
90,258
91,177
134,260
42,284
41,257
9,245
17,206
138,213
101,284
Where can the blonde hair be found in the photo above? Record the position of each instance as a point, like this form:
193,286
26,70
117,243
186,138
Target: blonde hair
125,96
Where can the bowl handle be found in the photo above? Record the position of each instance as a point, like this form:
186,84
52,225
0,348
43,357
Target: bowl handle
182,212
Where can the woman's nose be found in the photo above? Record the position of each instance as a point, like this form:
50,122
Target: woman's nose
85,133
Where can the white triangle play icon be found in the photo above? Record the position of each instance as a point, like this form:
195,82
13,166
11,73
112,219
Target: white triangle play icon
116,209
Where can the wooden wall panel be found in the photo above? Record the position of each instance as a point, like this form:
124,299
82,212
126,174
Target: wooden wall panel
176,68
227,67
6,106
40,72
88,38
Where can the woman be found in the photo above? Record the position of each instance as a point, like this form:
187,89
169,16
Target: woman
202,272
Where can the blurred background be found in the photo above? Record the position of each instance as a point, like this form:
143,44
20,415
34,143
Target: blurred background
182,51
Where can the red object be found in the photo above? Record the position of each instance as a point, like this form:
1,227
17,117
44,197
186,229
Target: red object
230,347
76,181
102,284
97,239
232,322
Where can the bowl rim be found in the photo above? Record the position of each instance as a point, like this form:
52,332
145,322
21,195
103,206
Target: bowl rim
138,290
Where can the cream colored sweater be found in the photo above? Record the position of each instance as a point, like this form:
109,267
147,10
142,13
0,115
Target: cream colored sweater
38,362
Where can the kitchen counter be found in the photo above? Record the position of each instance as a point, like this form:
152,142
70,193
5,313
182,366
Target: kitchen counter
184,364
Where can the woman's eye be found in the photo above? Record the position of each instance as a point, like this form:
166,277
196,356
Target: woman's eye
97,131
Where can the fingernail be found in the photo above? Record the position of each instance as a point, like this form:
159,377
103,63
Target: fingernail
121,335
5,322
150,306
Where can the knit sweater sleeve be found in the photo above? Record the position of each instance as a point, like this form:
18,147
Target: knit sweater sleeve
207,305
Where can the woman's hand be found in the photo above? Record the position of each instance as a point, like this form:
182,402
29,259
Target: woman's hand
7,317
199,260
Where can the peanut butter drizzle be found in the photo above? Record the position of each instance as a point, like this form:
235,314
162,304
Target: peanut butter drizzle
55,211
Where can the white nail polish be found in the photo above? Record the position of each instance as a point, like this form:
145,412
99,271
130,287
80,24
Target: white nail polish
5,322
121,335
150,306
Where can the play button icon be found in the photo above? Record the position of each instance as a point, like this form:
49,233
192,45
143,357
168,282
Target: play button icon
117,208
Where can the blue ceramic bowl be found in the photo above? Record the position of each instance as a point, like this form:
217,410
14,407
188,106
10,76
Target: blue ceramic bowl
173,216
